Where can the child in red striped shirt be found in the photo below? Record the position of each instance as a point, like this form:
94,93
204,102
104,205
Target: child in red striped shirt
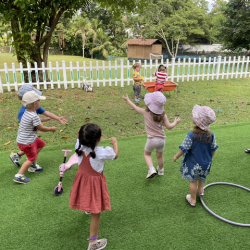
161,77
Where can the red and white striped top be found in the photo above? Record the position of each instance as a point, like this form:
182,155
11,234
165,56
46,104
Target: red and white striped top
160,77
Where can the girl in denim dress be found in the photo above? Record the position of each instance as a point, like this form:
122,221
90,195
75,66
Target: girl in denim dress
198,148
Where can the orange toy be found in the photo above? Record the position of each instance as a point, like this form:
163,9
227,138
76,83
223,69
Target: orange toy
168,86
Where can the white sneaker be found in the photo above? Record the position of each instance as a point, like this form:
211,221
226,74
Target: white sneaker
151,173
15,158
35,168
160,171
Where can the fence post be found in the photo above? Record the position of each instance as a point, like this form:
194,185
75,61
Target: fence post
128,72
58,75
14,75
1,87
78,75
7,76
172,68
218,68
64,75
97,74
122,74
51,76
44,76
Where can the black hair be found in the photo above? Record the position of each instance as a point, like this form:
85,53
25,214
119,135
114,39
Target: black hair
161,66
89,134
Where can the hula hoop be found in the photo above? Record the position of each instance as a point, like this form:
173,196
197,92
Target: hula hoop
219,217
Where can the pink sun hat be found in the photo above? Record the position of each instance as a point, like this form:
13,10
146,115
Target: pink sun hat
155,102
203,116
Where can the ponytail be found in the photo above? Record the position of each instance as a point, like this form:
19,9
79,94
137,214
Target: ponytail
78,151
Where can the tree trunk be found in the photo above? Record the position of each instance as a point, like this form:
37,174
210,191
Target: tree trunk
83,41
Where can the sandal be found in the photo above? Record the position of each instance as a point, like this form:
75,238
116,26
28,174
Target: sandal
188,198
202,194
247,151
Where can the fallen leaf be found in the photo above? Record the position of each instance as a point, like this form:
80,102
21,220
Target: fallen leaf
7,143
89,107
65,127
61,130
114,123
15,125
9,127
87,120
74,120
60,109
142,132
137,122
65,137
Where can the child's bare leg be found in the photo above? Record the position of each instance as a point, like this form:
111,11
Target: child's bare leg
148,159
135,97
94,226
21,153
193,191
200,187
160,159
25,167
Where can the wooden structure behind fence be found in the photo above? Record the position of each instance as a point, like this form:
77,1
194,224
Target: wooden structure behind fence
114,74
141,49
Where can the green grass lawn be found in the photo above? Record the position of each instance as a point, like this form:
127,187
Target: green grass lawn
105,107
146,214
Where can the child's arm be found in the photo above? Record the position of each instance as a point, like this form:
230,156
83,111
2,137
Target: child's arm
45,119
169,125
115,146
55,117
137,109
46,129
180,153
153,74
213,153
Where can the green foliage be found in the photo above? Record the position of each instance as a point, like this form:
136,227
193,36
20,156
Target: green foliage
173,22
233,24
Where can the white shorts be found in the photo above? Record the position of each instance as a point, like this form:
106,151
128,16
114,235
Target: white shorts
157,143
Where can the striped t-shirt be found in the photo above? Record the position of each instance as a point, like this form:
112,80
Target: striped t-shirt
27,128
160,77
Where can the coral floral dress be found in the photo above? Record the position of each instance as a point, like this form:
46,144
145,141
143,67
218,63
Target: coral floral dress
89,191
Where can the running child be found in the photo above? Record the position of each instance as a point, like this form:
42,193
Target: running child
155,118
161,77
27,140
89,191
16,157
198,148
137,81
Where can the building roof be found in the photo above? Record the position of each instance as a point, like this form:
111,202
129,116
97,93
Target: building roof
143,42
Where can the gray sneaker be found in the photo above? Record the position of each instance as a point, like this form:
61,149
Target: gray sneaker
35,168
100,244
15,158
22,179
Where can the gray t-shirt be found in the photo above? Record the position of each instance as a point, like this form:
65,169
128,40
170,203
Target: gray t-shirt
27,128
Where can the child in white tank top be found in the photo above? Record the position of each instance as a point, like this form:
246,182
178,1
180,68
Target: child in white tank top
155,118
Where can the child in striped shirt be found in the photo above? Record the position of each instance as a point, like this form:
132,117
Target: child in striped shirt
27,139
161,77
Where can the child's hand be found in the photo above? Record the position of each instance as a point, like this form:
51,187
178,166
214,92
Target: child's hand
53,129
114,141
125,98
175,158
177,120
62,120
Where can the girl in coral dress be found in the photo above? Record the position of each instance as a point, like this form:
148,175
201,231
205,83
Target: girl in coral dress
89,191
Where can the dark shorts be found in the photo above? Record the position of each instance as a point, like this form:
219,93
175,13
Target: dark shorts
31,149
137,89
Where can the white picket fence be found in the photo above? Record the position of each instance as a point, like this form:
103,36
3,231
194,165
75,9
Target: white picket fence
112,73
